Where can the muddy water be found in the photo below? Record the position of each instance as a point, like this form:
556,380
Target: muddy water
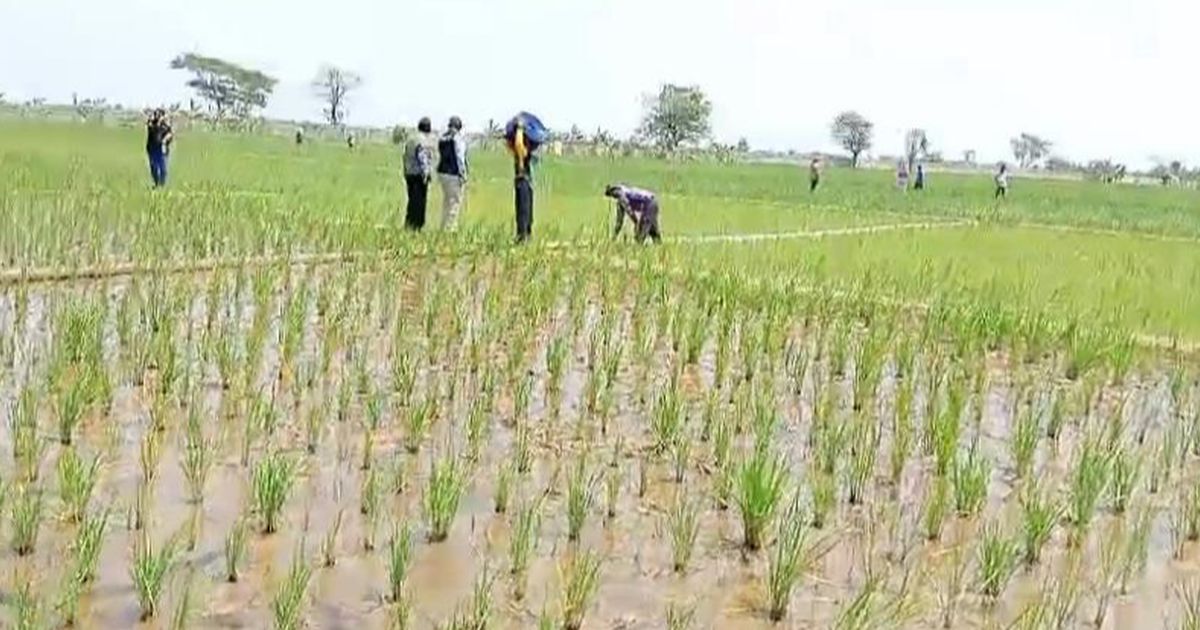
724,584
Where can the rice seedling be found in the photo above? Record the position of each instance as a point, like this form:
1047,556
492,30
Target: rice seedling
681,455
580,495
477,427
371,502
998,557
182,615
149,572
1024,440
504,480
526,526
952,587
1039,515
66,604
937,506
760,485
1137,547
1112,550
329,543
235,548
1188,595
680,616
864,445
76,480
446,484
667,422
1089,478
580,579
272,483
287,607
970,484
28,449
27,605
683,525
400,551
1125,471
790,559
902,431
26,519
88,540
198,453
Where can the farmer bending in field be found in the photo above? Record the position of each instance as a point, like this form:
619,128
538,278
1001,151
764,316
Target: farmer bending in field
158,145
640,206
1002,182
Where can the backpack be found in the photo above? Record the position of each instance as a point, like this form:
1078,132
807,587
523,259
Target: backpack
536,133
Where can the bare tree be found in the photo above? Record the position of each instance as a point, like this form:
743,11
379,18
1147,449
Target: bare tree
1029,149
333,85
854,132
916,144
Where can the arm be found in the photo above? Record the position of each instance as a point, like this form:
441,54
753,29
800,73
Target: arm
460,150
519,150
620,217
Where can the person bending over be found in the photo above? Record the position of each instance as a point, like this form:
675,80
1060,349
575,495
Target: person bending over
641,206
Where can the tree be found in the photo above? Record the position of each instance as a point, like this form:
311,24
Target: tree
677,116
1029,149
743,146
916,144
854,133
332,85
575,135
229,88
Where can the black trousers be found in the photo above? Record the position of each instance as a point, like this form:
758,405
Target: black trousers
524,200
418,195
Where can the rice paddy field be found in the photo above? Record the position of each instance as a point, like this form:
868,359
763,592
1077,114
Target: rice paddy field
253,400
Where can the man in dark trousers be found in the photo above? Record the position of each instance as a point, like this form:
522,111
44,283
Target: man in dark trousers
158,145
641,206
418,171
522,185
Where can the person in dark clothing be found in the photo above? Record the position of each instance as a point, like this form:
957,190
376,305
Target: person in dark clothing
641,206
418,171
522,186
919,182
158,145
814,175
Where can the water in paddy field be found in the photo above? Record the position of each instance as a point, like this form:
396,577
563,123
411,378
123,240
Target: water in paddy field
458,328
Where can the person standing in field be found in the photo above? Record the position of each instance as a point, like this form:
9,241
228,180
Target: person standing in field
902,175
518,145
919,182
299,136
159,136
452,172
641,206
418,171
1002,182
814,175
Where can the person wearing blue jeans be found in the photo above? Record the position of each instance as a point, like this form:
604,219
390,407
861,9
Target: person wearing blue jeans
158,146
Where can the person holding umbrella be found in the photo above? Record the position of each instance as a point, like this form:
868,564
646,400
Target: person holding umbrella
523,135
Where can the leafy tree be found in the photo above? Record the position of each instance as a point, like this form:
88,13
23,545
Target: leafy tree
677,116
333,85
743,145
1029,149
229,88
575,135
854,133
916,145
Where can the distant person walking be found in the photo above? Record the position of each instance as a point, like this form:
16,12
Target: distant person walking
418,171
452,172
902,175
523,135
159,136
350,141
299,136
641,206
814,175
919,182
1002,182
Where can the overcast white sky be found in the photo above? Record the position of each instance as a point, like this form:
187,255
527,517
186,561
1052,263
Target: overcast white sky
1098,77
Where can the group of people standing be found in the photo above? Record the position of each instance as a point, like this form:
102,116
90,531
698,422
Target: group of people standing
426,155
446,156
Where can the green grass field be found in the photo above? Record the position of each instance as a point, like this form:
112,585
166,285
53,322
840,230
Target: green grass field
254,400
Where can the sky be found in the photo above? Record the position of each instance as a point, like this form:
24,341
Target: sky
1099,78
